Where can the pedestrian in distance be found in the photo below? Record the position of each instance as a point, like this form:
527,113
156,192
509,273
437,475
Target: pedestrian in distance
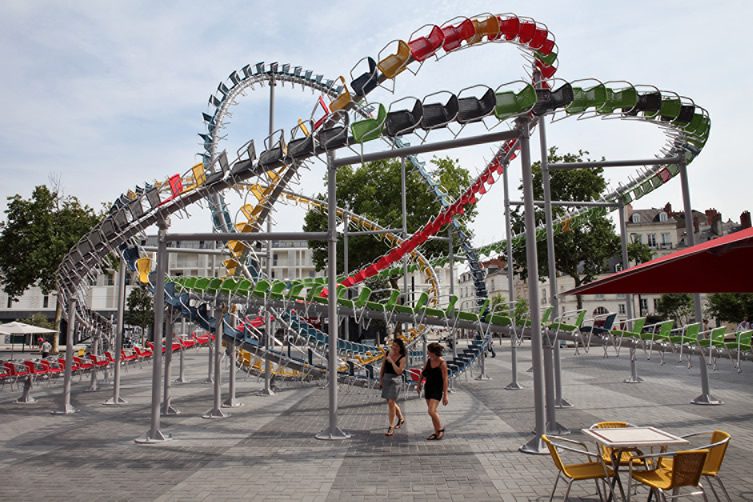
390,379
45,347
435,383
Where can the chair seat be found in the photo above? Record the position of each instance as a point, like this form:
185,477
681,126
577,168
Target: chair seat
589,470
659,478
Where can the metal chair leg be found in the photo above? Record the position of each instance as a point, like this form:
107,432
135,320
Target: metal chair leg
721,485
555,486
567,492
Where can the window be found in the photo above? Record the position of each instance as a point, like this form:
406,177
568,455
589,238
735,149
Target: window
651,240
621,308
110,280
274,259
636,218
656,304
663,217
666,239
10,302
600,311
45,301
644,306
636,237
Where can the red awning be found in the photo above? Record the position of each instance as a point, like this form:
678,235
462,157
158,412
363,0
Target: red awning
723,265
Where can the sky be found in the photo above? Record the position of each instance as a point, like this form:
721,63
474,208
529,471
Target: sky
103,96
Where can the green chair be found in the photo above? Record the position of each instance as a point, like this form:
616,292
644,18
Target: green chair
547,59
213,287
688,337
442,314
386,307
369,129
593,97
277,288
623,100
511,104
741,345
261,289
244,288
633,334
658,333
229,286
416,308
670,107
474,317
714,340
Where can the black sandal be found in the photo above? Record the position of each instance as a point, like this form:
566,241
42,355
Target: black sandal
433,437
390,431
400,423
440,435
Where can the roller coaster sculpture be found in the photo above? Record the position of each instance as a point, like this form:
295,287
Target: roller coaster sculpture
345,123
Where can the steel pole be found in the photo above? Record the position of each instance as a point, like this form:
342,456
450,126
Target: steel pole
216,411
451,253
706,398
535,445
556,401
634,378
167,405
332,431
121,299
267,313
155,434
66,408
514,385
231,401
93,371
346,222
404,210
181,373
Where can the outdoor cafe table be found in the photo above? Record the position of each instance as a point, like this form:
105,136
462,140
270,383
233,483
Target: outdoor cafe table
624,439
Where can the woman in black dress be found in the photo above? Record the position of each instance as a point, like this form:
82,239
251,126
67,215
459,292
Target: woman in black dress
436,380
390,379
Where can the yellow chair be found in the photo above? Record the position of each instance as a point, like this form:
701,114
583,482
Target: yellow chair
717,449
236,247
343,100
144,268
593,470
393,64
685,469
606,453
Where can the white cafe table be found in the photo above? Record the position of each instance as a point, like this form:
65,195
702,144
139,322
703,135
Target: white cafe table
622,439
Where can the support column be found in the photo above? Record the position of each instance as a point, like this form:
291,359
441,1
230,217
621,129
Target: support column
231,401
404,210
182,376
346,222
66,408
514,385
167,405
216,411
556,401
95,351
705,398
634,378
210,361
267,313
121,299
451,254
535,445
155,435
332,431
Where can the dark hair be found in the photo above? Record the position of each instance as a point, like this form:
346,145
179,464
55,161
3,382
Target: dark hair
400,343
435,348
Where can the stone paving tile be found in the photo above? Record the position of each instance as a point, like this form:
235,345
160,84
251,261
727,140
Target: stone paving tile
266,449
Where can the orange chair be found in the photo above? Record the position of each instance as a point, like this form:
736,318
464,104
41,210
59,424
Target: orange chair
393,64
606,453
594,469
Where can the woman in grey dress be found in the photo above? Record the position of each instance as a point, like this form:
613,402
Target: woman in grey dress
390,379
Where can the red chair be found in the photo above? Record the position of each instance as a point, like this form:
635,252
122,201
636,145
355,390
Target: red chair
74,367
424,47
455,35
35,370
177,346
526,31
509,27
539,37
143,354
55,370
99,363
15,372
82,364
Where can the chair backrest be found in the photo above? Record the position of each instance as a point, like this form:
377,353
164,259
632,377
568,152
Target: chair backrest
144,267
605,450
553,453
687,467
717,450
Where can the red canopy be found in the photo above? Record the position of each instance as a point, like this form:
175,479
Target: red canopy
723,265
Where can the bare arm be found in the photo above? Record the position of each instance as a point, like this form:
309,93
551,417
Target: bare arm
445,381
401,365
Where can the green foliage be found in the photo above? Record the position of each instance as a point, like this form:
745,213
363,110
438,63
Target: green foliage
40,320
730,307
139,308
583,250
372,190
639,252
35,237
678,307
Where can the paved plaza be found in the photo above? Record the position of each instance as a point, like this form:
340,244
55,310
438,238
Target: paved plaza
266,450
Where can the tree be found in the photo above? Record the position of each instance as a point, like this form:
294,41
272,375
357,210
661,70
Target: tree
372,190
39,320
582,250
678,307
639,252
730,307
139,309
37,234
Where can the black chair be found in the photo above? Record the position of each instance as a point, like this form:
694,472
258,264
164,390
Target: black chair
548,100
366,82
273,154
648,103
438,115
403,121
473,109
301,147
